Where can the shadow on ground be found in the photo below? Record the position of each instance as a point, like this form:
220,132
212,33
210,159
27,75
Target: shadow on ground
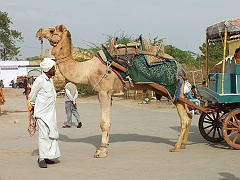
194,138
96,139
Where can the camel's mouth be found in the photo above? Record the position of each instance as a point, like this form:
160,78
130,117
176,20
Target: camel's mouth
39,34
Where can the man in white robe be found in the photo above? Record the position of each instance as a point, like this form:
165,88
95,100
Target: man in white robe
43,100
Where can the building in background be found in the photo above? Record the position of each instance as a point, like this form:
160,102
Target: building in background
9,70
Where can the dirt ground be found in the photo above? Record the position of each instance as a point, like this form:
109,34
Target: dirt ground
140,138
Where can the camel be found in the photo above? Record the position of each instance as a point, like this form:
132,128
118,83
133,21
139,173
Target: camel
104,81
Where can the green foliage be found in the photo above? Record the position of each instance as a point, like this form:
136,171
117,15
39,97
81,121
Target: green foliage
215,53
93,48
122,38
80,59
35,58
8,38
84,90
186,57
155,41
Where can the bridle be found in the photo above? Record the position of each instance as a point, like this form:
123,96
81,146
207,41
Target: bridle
52,35
58,60
58,39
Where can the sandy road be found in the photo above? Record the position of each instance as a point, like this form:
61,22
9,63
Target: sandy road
141,136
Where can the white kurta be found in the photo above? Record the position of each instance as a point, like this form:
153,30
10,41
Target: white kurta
43,98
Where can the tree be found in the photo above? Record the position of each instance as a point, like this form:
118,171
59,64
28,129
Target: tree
8,38
122,38
186,57
215,53
35,58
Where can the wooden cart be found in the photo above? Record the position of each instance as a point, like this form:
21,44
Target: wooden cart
222,121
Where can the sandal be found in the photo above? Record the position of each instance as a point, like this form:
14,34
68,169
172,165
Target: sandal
66,126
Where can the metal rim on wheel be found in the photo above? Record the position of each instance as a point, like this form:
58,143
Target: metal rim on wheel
210,126
231,128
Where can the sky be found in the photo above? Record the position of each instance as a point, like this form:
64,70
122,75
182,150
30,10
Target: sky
182,23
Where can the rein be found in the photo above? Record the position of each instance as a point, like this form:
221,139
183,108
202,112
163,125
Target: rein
108,71
32,127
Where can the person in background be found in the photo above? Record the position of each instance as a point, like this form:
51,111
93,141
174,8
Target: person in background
237,55
32,122
158,97
1,84
43,100
25,85
71,95
192,97
203,102
204,83
2,99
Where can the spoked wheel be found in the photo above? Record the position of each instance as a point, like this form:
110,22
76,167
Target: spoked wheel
210,126
231,128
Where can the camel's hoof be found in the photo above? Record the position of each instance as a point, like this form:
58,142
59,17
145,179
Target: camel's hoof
174,149
183,146
100,154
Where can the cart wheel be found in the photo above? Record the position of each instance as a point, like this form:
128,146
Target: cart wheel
210,126
231,129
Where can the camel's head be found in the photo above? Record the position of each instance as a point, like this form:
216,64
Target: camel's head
62,42
58,34
52,34
45,33
58,37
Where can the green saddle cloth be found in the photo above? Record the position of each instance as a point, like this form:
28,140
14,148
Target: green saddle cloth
163,73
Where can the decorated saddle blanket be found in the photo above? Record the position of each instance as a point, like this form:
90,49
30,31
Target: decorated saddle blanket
163,73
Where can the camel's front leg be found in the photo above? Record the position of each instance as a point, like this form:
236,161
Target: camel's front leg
105,124
186,120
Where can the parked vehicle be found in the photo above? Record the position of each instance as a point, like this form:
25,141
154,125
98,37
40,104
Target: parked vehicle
20,80
13,84
1,84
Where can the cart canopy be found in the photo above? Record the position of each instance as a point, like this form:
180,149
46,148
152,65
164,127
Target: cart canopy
216,31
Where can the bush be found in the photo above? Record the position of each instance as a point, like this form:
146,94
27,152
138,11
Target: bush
84,90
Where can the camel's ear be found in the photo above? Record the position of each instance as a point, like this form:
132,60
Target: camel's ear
57,27
62,27
52,30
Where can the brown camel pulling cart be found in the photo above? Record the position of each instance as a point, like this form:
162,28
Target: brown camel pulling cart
103,78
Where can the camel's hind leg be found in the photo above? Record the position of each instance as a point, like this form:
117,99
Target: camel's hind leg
185,137
105,124
186,119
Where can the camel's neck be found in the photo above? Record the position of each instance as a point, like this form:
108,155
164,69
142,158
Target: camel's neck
73,70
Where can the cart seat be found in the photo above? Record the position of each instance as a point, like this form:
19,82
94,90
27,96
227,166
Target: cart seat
215,82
